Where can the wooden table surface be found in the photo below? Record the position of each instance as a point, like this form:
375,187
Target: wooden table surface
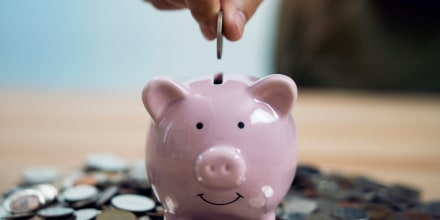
389,137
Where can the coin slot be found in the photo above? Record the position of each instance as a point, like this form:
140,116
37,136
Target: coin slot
218,79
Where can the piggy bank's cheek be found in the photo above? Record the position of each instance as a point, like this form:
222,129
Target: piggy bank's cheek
175,144
181,137
177,141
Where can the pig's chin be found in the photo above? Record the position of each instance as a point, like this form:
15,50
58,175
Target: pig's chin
206,199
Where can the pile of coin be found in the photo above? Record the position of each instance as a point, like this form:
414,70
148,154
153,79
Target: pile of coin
108,187
317,195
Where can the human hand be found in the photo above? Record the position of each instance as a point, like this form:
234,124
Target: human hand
235,14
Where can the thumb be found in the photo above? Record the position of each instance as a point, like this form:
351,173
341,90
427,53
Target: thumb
236,13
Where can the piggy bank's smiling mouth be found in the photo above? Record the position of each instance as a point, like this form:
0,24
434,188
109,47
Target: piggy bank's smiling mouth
226,203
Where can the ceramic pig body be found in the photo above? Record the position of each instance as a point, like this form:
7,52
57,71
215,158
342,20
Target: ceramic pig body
222,147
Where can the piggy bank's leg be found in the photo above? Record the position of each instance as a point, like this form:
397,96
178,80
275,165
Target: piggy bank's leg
169,216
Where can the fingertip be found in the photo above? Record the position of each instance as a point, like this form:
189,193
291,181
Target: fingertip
234,25
237,14
240,21
208,32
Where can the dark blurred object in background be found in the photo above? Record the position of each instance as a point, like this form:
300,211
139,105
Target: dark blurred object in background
366,44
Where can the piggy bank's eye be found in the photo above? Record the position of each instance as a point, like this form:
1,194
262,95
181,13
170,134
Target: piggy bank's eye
199,125
240,125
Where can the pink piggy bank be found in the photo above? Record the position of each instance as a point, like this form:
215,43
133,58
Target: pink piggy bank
221,147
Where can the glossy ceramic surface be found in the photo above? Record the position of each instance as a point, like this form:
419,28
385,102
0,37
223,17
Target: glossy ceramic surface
221,147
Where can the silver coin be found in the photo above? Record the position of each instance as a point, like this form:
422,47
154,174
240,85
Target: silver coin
106,162
138,171
55,212
434,208
83,203
319,216
405,191
329,188
49,191
294,216
296,204
79,193
86,214
106,195
137,175
43,174
24,201
350,213
21,216
219,34
133,203
3,212
325,206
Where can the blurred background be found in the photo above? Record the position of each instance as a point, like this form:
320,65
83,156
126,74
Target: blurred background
119,45
71,73
391,45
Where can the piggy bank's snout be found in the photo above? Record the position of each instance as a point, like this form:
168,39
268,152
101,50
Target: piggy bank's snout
220,167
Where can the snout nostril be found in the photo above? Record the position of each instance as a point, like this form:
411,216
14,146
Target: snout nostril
211,168
227,168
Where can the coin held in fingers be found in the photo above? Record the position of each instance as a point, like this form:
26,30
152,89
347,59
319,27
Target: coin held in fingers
219,35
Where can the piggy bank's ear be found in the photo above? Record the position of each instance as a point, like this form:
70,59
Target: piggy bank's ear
278,91
159,93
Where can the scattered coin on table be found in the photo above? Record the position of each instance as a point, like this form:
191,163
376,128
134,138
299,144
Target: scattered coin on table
103,191
56,212
86,214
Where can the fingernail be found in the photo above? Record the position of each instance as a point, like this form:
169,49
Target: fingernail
239,19
208,33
